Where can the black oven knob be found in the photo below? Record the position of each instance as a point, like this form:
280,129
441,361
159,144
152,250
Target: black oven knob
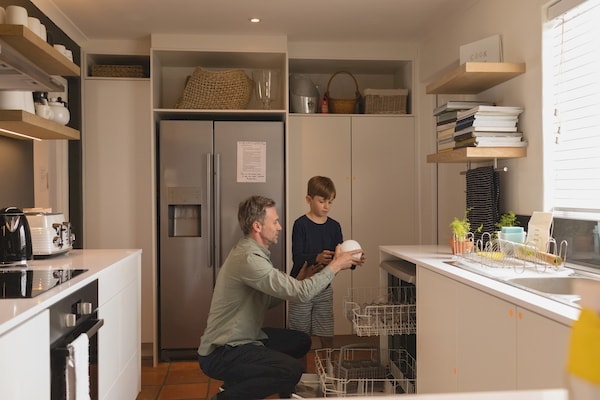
84,308
70,320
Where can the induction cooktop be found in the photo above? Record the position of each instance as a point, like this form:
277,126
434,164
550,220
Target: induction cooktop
27,283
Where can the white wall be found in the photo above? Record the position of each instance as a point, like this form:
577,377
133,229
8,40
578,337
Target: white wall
520,25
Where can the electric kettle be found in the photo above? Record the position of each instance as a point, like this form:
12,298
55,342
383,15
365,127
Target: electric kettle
15,237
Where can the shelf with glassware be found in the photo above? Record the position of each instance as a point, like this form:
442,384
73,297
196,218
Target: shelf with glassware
188,83
473,78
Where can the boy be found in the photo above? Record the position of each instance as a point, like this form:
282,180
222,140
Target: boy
314,238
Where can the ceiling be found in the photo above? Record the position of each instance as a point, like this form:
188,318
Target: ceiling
299,20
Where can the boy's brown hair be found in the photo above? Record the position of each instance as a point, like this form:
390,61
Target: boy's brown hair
321,186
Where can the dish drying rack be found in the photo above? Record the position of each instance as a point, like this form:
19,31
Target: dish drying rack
493,252
382,311
359,370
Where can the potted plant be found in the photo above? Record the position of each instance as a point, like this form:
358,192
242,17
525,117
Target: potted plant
461,240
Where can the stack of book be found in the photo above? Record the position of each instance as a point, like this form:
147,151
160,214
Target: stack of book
488,126
446,117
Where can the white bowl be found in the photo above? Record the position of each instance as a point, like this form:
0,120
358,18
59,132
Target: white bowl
349,245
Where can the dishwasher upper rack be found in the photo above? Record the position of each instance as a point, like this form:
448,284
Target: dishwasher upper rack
358,370
382,311
490,251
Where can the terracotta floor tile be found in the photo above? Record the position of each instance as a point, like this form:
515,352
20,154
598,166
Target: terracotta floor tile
176,377
190,391
148,392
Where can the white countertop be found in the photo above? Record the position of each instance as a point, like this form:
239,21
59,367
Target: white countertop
433,257
15,311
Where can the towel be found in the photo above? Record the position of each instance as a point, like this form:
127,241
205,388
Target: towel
77,369
483,198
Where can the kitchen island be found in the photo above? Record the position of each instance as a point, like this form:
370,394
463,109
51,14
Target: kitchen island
25,331
477,333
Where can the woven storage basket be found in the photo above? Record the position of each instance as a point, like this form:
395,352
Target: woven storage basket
118,71
385,101
343,106
216,90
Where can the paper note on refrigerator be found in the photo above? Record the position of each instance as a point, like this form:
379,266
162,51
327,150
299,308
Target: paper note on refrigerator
251,162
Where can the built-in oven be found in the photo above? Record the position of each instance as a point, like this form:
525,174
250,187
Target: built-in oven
71,317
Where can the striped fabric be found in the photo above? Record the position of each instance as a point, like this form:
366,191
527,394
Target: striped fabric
483,198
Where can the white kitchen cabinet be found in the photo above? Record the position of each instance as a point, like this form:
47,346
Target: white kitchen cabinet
485,341
542,349
119,345
436,333
118,176
25,361
371,160
469,340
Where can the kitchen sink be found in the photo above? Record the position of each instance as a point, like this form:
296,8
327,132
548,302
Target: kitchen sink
563,285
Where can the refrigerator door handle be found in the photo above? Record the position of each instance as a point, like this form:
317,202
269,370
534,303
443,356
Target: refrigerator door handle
217,215
211,221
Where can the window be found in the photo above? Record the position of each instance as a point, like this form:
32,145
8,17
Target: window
572,126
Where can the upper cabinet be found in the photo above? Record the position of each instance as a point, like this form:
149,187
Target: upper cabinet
197,82
29,63
473,78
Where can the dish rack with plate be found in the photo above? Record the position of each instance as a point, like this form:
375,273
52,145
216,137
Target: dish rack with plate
359,370
493,252
382,311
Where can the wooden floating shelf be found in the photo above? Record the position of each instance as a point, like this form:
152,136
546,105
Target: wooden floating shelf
38,51
20,121
477,154
475,77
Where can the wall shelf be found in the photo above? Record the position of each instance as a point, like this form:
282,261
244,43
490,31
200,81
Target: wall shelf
477,154
37,51
475,77
34,126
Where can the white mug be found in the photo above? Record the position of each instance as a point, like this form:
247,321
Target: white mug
2,15
34,24
16,15
43,32
61,48
44,111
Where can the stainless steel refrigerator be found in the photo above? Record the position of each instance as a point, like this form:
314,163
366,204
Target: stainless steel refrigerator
205,169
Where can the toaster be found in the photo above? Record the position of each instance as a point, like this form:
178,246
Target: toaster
50,233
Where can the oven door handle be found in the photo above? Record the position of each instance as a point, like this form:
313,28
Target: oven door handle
63,351
92,331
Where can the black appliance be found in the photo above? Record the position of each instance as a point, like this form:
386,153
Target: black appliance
70,317
26,283
15,237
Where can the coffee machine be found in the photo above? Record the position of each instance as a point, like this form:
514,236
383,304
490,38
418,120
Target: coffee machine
15,237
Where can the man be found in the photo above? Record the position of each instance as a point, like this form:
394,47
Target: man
252,362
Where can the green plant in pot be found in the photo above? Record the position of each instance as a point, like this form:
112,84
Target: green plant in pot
461,240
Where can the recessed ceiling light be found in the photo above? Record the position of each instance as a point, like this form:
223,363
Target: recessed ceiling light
254,20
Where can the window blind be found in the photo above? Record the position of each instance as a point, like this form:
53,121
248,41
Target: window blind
575,149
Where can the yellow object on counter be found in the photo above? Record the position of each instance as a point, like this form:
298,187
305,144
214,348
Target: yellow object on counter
584,348
494,255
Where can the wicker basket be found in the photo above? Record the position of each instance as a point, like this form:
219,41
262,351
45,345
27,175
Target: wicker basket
216,90
118,71
385,101
343,106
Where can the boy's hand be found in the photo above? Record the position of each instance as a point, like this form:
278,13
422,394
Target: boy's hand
325,257
309,270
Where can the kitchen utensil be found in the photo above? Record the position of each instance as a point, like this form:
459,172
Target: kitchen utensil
265,83
15,237
44,111
16,15
349,245
304,96
60,112
50,233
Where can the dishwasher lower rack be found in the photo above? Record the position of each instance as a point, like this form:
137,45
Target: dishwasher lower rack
359,370
382,311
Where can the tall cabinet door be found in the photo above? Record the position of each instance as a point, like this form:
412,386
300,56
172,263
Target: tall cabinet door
383,188
118,176
321,145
